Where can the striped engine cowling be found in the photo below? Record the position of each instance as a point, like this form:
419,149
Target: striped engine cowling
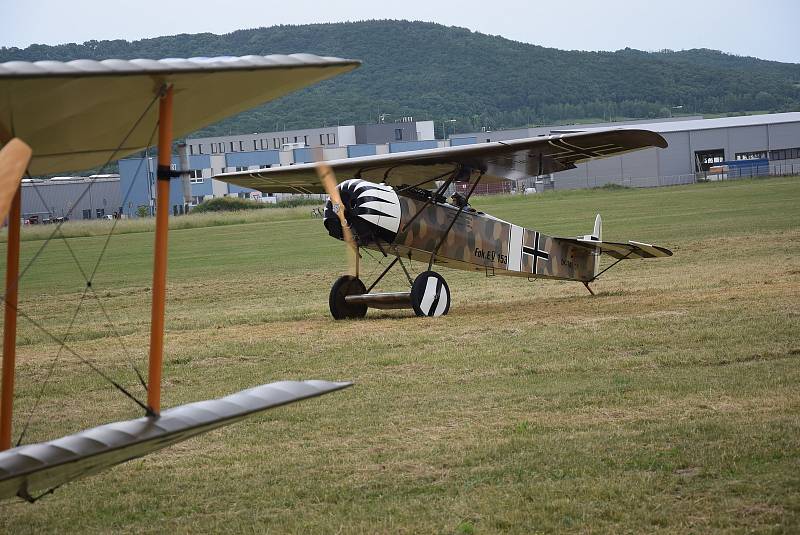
372,211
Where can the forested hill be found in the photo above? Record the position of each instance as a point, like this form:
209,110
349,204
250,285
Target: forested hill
431,71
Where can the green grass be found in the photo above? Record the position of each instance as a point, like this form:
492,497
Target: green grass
667,403
89,228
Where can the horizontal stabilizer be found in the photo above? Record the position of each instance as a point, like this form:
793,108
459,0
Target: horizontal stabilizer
630,250
32,467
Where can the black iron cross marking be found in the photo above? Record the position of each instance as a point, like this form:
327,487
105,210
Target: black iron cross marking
535,252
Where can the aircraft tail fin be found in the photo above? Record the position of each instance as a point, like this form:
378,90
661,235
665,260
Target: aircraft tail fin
598,228
597,236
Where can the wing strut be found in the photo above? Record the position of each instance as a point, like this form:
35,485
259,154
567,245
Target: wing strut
14,160
10,321
453,222
163,176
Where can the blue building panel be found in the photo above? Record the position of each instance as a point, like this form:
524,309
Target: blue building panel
133,181
137,185
202,189
303,155
404,146
365,149
457,141
246,159
199,161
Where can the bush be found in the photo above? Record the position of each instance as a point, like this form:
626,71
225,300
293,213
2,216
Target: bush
232,204
227,204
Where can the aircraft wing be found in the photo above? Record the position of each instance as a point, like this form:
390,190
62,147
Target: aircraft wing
32,467
499,161
74,115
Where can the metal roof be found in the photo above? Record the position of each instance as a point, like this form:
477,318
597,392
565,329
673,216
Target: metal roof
709,124
677,124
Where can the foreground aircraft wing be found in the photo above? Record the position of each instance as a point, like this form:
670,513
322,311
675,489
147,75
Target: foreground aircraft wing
620,251
26,469
498,161
75,114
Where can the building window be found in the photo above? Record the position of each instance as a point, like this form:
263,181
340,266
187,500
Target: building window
785,154
255,144
265,166
757,155
191,150
213,148
322,139
101,212
331,139
241,146
398,134
199,148
196,176
305,141
240,168
232,149
284,140
276,144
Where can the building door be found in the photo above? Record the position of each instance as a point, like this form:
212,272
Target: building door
706,159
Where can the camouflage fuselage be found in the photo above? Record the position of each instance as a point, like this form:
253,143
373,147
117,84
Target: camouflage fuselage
481,242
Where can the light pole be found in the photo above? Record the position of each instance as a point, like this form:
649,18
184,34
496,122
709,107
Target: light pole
444,127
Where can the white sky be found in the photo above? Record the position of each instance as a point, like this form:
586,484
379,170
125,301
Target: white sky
768,29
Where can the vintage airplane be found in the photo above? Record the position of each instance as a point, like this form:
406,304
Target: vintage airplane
57,117
384,205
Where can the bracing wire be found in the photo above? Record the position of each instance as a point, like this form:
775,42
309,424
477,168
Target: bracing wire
57,231
85,191
89,287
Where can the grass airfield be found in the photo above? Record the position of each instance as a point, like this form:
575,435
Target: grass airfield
667,403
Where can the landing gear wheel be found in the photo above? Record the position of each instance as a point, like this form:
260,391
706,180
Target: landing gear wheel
344,286
430,295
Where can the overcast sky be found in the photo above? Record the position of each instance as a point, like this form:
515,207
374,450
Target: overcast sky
768,29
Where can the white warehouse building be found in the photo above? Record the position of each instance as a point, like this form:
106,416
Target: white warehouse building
698,148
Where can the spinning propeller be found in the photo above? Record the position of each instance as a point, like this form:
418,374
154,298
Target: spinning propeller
328,180
14,158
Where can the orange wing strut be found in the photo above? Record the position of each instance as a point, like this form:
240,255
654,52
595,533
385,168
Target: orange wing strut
14,158
160,251
10,321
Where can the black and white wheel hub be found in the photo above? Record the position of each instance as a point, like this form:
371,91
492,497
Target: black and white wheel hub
430,295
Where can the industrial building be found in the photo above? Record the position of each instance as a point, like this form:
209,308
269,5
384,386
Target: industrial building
71,197
209,156
698,149
728,147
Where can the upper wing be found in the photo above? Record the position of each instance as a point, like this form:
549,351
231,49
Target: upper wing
79,114
621,251
498,161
